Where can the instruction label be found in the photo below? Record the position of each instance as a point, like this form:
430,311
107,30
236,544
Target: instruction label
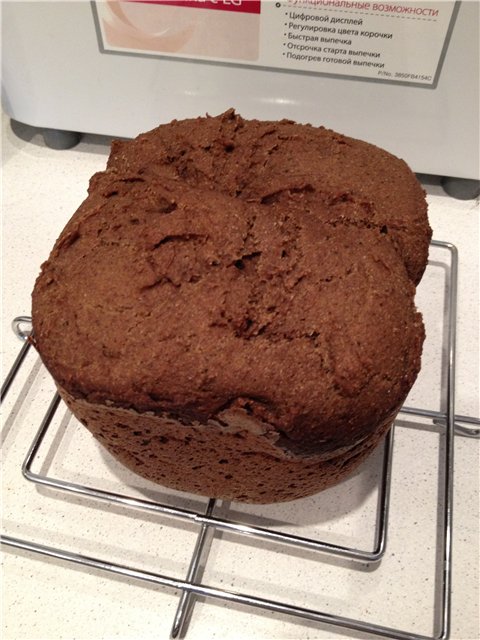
400,42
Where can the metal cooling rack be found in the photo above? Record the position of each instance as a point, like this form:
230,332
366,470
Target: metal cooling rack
192,586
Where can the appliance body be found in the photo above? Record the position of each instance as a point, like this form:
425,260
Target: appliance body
58,74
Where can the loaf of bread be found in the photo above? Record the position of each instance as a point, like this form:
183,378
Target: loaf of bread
231,310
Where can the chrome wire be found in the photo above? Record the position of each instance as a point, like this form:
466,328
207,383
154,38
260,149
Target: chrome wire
192,587
208,519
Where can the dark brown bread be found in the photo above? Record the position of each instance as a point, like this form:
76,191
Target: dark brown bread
241,328
342,180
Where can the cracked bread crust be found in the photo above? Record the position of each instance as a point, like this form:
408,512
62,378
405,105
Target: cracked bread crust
236,329
343,180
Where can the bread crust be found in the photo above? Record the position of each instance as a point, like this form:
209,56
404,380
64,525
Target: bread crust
243,316
231,458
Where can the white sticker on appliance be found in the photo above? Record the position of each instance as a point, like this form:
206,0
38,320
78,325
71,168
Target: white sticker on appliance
391,41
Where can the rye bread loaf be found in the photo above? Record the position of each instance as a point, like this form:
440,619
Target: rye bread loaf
231,310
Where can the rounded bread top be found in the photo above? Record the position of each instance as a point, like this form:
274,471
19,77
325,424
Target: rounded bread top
344,180
164,294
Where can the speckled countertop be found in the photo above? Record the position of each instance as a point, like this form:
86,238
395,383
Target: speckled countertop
49,599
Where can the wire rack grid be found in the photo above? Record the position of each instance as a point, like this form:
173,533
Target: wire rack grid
192,586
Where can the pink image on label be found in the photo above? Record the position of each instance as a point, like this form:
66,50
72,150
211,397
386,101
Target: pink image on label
242,6
170,27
